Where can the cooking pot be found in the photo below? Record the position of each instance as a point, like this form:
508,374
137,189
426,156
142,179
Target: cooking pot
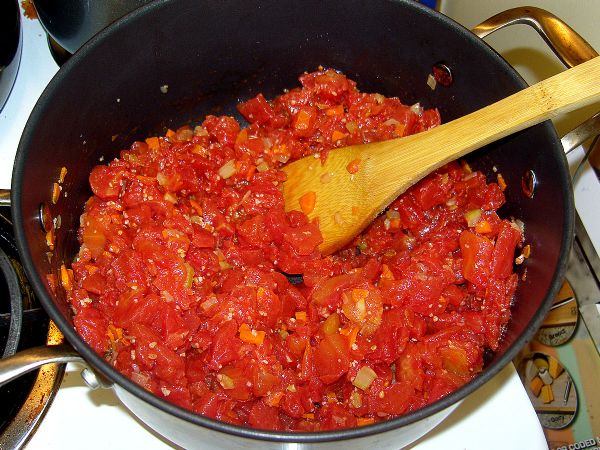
172,62
11,37
73,22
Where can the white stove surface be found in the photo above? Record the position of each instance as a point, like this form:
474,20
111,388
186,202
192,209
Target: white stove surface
497,416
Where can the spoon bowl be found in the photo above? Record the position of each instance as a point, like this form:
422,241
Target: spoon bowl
356,183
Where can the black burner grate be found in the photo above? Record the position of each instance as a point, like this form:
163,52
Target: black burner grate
23,324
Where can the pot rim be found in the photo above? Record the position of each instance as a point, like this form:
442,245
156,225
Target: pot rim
99,364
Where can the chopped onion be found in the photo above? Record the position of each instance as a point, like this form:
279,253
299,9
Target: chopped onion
225,381
140,378
392,122
185,134
417,108
392,214
227,169
281,157
189,278
472,217
209,303
167,296
162,179
200,131
267,143
170,197
364,377
355,400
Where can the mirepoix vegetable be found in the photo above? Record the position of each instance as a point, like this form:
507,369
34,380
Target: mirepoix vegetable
180,279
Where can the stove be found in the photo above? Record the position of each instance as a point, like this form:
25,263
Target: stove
78,416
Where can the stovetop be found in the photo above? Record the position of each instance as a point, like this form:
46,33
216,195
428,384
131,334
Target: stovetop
96,419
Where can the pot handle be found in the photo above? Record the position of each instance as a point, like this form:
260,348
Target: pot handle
567,44
27,360
581,133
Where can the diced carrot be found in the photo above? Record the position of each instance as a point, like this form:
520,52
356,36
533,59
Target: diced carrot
501,182
273,399
63,174
251,336
335,110
55,192
196,206
280,149
351,332
303,120
395,223
353,166
466,167
308,201
483,226
144,179
50,239
153,142
337,135
359,295
399,129
250,172
91,268
362,421
170,133
242,136
301,316
309,416
66,278
386,273
114,333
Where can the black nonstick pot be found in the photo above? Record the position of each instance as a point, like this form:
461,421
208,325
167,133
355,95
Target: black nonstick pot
172,62
11,38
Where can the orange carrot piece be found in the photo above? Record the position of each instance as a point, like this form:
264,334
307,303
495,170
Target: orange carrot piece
483,226
301,316
501,182
362,421
55,192
251,336
337,135
152,142
353,166
66,278
335,110
307,202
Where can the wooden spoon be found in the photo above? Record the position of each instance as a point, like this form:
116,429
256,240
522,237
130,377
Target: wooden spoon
346,203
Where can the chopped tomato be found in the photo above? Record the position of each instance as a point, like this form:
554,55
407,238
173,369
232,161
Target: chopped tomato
178,282
477,257
331,358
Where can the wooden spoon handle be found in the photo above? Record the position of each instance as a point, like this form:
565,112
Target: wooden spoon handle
346,203
420,154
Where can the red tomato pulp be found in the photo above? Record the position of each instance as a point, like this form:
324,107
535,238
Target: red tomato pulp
179,280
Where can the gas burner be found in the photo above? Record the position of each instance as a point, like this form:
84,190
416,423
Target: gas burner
23,324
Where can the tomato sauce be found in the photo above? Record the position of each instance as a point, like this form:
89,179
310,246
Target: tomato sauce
180,279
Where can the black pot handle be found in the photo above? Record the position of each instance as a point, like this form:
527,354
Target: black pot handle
566,43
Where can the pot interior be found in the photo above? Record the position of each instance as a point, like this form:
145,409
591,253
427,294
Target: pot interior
173,62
